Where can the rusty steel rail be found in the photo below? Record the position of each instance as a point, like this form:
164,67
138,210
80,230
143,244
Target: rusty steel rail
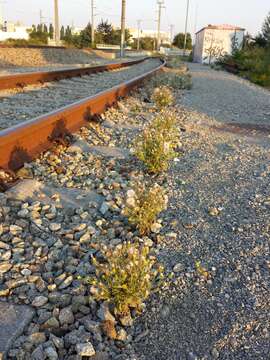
24,142
23,79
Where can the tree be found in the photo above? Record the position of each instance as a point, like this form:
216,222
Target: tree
116,37
266,30
104,32
38,35
260,41
68,37
40,28
146,43
51,31
86,36
45,28
179,41
62,33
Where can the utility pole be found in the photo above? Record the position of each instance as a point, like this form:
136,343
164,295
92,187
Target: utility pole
139,34
160,3
123,29
195,21
56,23
1,14
40,17
185,41
171,33
92,24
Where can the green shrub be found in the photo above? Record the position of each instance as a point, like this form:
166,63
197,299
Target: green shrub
23,42
174,79
143,207
176,62
162,97
126,277
252,63
155,146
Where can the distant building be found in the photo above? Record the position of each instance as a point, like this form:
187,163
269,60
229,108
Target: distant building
165,37
76,30
13,31
214,41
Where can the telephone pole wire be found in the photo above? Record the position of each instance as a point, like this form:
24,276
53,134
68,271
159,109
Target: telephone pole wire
123,29
139,34
56,23
160,6
186,25
92,24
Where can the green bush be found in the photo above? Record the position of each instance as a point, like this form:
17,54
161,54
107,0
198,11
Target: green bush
175,79
252,63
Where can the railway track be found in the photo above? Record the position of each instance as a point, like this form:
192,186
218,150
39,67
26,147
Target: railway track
53,111
40,77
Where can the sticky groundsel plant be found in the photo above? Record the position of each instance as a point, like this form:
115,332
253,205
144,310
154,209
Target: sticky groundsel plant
143,208
126,277
162,97
156,144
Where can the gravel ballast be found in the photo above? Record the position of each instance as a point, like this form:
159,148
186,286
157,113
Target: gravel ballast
218,214
17,106
13,59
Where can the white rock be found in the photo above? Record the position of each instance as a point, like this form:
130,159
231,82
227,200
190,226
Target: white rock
26,272
39,301
23,213
155,228
131,202
85,349
55,227
131,194
178,267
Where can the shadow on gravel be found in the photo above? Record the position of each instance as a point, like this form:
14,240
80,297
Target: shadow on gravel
187,330
227,318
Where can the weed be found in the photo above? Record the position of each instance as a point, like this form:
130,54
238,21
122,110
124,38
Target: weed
126,277
143,207
174,79
162,97
156,145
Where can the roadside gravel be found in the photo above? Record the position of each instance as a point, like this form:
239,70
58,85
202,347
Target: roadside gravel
226,97
21,105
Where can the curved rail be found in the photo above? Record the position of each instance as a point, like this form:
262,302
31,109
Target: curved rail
24,142
30,78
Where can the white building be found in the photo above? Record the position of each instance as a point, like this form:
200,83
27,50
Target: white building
214,41
164,36
13,31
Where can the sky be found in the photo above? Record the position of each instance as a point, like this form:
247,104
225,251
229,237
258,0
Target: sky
245,13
